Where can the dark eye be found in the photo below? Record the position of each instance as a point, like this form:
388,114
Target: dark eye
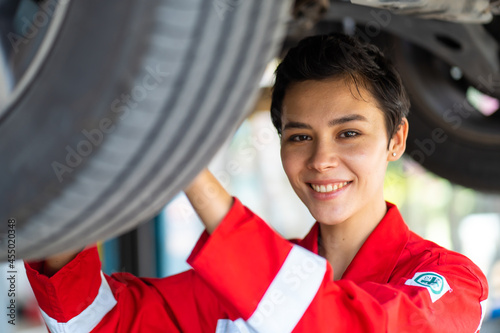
299,138
349,134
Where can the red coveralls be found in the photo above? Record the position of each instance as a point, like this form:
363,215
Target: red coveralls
247,278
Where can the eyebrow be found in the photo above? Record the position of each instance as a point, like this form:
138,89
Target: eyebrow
331,123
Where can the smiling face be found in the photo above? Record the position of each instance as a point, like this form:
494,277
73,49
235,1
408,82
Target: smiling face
334,149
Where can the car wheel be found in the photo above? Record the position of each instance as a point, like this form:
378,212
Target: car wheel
122,104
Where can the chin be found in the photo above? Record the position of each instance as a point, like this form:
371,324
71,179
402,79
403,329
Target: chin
328,213
330,221
332,217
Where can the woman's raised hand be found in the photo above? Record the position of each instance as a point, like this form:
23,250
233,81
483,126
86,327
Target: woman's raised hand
209,199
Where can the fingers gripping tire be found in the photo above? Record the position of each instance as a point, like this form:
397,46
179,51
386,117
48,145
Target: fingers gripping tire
131,100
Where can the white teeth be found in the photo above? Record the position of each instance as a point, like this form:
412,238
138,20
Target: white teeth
329,187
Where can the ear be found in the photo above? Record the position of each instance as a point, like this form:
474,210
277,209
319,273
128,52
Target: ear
397,144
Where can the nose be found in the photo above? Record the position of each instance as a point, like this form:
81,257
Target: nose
323,157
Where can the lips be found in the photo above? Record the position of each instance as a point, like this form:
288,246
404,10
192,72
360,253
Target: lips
329,187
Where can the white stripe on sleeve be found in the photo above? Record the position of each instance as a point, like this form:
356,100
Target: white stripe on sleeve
483,313
287,298
88,318
290,293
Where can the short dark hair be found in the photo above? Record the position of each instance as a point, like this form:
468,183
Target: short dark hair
340,56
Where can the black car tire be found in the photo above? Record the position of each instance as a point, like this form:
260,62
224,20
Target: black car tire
448,136
131,101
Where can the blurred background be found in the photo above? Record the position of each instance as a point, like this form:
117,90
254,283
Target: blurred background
447,52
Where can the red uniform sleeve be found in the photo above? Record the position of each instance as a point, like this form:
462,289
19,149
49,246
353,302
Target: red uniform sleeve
275,286
80,298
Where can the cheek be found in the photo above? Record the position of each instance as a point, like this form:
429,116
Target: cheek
285,161
290,162
367,161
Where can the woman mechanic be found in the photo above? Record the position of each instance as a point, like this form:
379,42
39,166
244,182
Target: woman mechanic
340,111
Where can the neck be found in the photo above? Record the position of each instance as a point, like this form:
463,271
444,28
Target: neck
339,243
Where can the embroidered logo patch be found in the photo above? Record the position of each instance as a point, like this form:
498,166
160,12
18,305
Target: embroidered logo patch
436,284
